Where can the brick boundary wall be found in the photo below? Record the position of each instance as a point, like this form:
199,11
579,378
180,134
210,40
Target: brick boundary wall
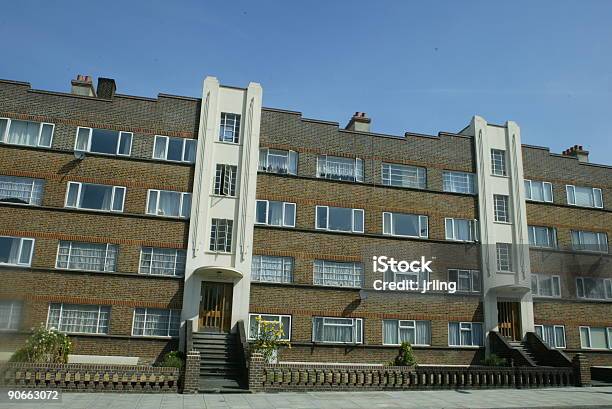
583,370
191,383
90,377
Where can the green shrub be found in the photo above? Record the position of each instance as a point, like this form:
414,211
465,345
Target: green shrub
174,359
269,339
494,360
406,355
44,345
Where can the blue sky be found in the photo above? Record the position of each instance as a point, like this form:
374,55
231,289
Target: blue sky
423,66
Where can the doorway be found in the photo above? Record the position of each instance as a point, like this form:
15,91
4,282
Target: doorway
215,306
509,320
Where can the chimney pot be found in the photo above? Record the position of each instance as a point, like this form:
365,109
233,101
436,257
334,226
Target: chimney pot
359,122
82,85
106,88
578,152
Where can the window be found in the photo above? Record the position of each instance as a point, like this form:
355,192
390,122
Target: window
468,281
272,269
594,288
225,180
461,229
552,335
498,162
337,330
79,318
229,130
397,276
544,285
589,241
174,149
339,219
26,133
540,236
153,322
337,168
538,191
502,208
104,141
282,322
221,235
339,274
168,203
584,196
21,190
274,213
405,225
404,176
465,334
596,338
74,255
165,262
10,315
504,256
90,196
397,331
16,251
278,161
459,182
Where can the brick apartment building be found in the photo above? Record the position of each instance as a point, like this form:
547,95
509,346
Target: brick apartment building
125,219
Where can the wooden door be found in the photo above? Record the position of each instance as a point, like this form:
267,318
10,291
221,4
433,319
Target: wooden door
216,306
509,320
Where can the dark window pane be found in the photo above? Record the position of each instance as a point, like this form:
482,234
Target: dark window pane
175,149
104,141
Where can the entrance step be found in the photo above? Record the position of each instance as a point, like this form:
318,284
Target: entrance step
221,362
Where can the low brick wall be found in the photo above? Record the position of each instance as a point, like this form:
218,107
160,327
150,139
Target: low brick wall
90,377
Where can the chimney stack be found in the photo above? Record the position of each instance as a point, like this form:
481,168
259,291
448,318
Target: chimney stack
82,85
359,122
106,88
577,152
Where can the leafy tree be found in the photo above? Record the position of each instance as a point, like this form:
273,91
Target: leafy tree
44,345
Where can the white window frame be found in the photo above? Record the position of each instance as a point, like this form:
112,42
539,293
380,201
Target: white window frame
226,180
473,275
354,213
89,138
502,213
357,164
264,167
236,129
556,292
21,240
174,269
602,240
549,231
59,324
555,335
545,186
570,191
356,335
4,136
423,220
24,181
472,224
14,318
471,329
357,276
229,233
146,310
285,205
106,256
494,156
184,148
607,288
181,200
402,169
78,197
279,316
510,257
588,328
471,178
284,261
411,325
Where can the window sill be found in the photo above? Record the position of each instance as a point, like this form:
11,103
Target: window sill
227,143
504,223
159,215
500,176
15,265
154,336
466,346
223,196
96,210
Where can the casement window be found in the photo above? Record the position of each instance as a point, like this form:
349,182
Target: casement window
538,191
16,251
21,190
164,262
91,196
589,241
339,219
594,288
10,315
278,161
404,175
498,162
282,322
504,256
272,269
174,149
273,213
79,318
26,133
502,208
397,331
221,235
337,330
74,255
545,285
552,335
225,180
415,277
584,196
338,274
468,281
154,322
103,141
338,168
405,225
461,229
229,130
541,236
169,203
459,182
465,334
595,337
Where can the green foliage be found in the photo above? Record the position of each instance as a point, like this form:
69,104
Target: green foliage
406,355
44,345
494,360
174,359
269,338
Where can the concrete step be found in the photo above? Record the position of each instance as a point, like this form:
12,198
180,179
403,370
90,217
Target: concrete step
220,385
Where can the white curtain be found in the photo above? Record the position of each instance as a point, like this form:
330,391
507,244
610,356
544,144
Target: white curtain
275,213
390,332
169,203
477,336
82,139
453,333
549,335
334,330
423,332
160,148
21,190
23,133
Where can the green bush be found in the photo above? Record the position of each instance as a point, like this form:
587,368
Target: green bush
494,360
406,355
44,345
174,359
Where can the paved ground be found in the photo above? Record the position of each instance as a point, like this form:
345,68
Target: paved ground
501,398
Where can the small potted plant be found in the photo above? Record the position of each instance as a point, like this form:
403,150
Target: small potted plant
268,339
